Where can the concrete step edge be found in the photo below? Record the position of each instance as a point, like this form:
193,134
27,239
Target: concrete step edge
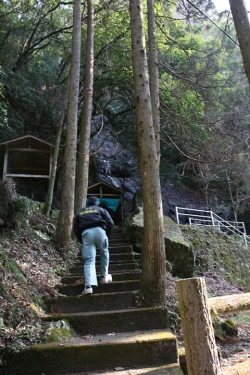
115,286
92,302
113,282
113,272
104,312
154,347
66,280
172,369
115,321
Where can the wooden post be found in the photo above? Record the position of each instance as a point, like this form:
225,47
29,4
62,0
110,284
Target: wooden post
199,341
6,161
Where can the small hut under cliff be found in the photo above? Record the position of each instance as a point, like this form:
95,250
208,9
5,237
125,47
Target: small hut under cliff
27,159
111,198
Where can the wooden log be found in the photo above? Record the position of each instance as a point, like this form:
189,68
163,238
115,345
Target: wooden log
229,304
199,341
242,368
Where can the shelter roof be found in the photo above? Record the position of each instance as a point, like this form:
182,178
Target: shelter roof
23,137
102,188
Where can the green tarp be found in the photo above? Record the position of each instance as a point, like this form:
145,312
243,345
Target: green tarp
111,203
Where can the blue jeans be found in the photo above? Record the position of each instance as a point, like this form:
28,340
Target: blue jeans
91,239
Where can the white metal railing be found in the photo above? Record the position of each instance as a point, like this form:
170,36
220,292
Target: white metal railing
209,218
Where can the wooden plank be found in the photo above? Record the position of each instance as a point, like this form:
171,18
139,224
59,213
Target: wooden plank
46,150
5,164
20,138
229,304
27,175
105,195
30,168
50,161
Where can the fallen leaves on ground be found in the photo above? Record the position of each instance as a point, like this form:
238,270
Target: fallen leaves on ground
80,281
30,269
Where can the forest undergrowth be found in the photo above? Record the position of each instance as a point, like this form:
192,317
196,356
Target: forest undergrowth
31,267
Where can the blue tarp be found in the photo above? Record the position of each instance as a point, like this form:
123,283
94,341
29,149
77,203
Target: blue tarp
111,203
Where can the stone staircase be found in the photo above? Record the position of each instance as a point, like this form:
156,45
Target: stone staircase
113,333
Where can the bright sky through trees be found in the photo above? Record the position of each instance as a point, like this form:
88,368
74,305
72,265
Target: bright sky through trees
224,4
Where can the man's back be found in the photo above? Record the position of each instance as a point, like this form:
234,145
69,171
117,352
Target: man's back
90,217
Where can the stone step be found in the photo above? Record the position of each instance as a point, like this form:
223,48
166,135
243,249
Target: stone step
182,358
117,229
120,242
121,257
92,302
116,249
115,286
113,267
117,241
127,275
173,369
105,322
112,331
117,233
127,350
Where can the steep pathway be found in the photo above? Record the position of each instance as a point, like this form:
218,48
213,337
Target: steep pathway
113,333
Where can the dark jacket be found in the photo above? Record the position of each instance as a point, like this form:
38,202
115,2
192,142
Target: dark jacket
90,217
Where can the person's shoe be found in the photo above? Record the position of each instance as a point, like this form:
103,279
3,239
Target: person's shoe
106,279
88,290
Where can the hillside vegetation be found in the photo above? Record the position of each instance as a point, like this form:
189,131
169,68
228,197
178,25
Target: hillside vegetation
198,250
31,266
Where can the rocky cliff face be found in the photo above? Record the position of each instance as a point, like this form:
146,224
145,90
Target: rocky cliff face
117,165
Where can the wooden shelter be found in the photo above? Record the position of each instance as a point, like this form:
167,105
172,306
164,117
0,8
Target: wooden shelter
111,198
27,158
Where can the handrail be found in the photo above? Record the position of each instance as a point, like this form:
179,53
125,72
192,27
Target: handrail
212,219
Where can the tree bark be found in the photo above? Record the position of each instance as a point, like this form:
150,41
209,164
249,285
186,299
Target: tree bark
242,26
65,220
152,289
82,176
49,195
229,304
154,74
199,341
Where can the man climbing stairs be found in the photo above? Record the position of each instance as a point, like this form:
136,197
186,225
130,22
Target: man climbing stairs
112,331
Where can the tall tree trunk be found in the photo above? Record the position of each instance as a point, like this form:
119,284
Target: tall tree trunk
49,196
154,74
234,203
82,176
65,220
152,289
199,341
242,26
